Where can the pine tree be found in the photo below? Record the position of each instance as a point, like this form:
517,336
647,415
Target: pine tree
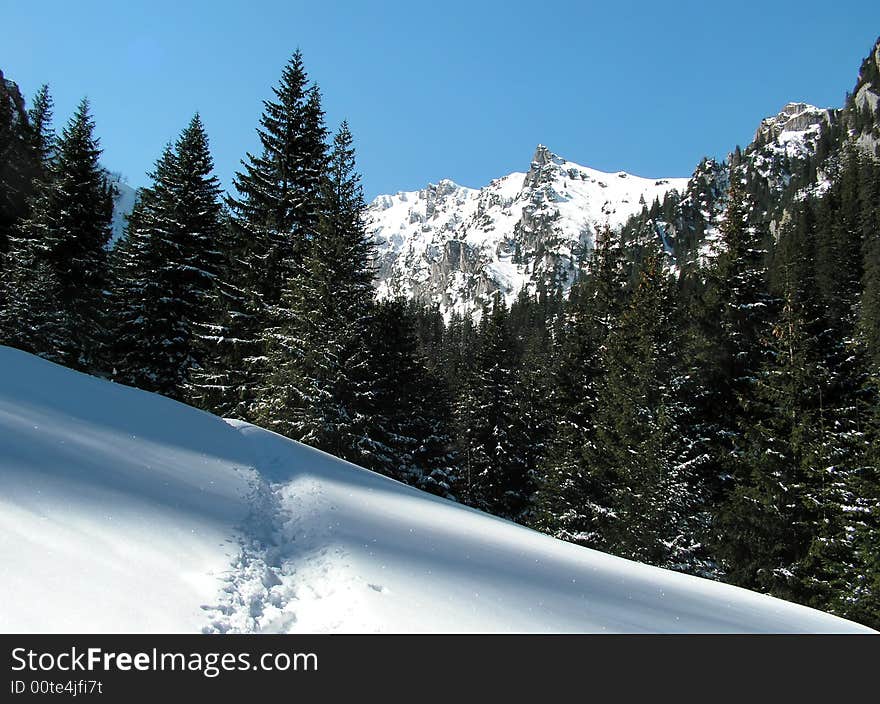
26,149
769,518
67,231
535,397
41,134
857,595
838,255
165,268
279,191
642,465
798,497
318,385
490,433
741,277
273,218
567,490
869,220
407,429
32,310
841,575
739,307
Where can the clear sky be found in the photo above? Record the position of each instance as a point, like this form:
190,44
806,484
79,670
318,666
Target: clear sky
460,90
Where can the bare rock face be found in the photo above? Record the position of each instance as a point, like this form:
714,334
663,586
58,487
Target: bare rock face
868,86
12,93
12,103
545,164
786,142
123,203
455,247
866,102
794,117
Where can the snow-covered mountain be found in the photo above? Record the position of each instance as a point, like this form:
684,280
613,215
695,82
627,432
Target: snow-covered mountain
790,137
125,511
455,247
793,155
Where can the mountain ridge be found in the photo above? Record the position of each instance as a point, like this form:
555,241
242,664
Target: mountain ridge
454,247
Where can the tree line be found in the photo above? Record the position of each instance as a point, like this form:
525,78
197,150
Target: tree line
257,305
717,417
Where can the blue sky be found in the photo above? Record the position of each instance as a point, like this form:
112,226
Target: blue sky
460,90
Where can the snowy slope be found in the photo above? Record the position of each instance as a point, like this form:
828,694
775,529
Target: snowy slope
124,511
114,503
455,246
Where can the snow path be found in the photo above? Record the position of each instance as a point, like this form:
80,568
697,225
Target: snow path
286,571
335,548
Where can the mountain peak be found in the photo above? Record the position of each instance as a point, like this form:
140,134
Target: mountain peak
543,156
13,95
455,247
794,117
543,166
444,185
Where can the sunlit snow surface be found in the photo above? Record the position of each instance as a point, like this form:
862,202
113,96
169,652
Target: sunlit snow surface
551,213
124,511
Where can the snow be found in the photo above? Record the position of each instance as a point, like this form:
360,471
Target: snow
782,142
790,136
122,511
114,506
552,212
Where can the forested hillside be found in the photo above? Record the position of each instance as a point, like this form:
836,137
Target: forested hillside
700,392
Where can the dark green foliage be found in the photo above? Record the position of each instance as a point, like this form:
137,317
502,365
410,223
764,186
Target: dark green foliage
41,134
279,190
32,315
570,490
273,218
318,378
799,503
869,226
644,458
707,398
408,433
733,313
18,161
66,232
784,460
165,267
491,434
